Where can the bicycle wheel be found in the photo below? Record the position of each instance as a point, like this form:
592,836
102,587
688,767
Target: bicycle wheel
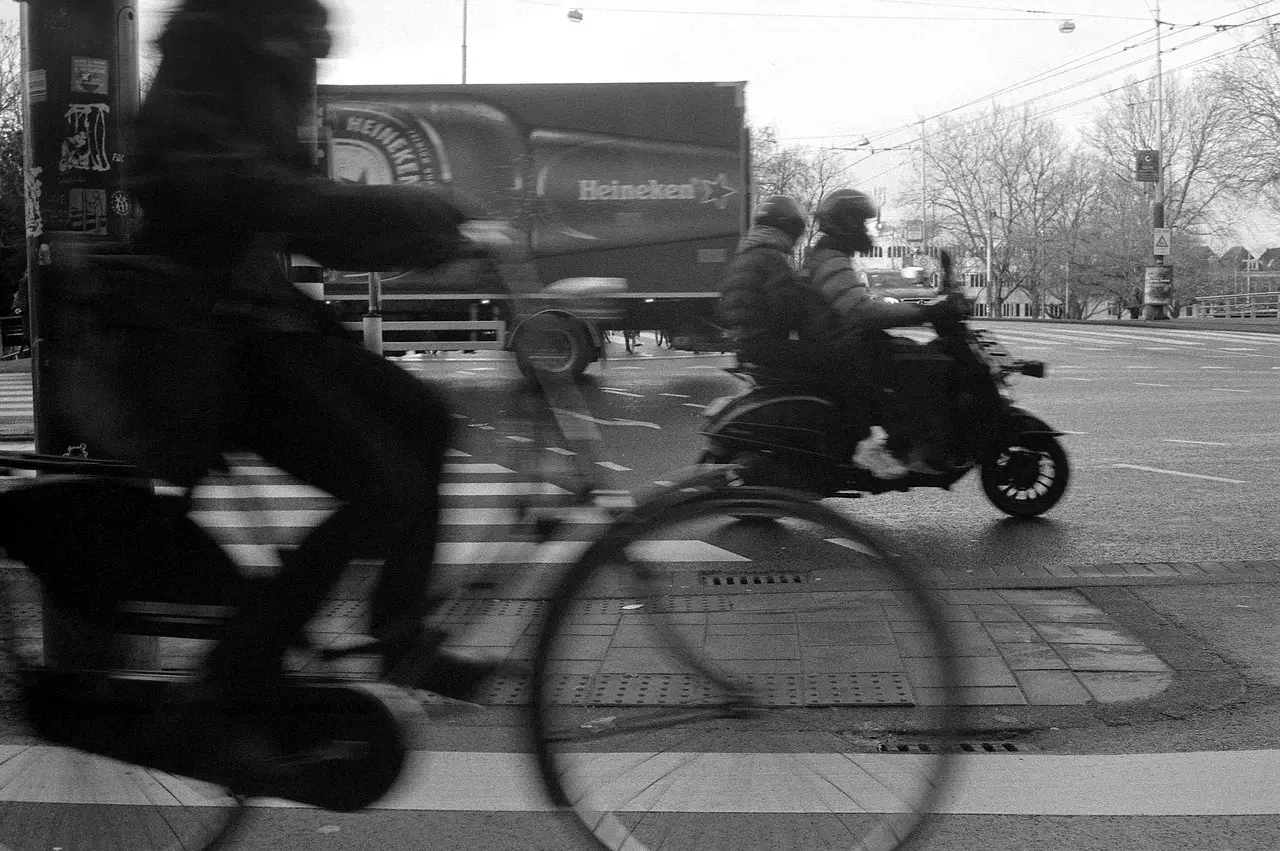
705,683
55,796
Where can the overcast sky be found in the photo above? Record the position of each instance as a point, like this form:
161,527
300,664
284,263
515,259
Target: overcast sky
823,72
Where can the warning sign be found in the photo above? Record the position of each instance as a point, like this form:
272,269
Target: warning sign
1160,242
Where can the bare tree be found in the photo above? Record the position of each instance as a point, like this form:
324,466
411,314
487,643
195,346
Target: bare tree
13,244
803,173
1246,87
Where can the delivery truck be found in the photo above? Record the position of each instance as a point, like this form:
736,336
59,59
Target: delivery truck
646,184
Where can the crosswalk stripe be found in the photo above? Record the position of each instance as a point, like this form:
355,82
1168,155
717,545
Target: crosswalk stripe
304,519
297,490
518,552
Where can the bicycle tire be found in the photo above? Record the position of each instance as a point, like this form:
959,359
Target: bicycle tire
54,796
673,743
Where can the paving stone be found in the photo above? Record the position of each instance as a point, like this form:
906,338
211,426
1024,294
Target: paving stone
978,696
753,647
1008,633
861,612
985,671
1187,569
826,634
751,629
972,597
1067,633
762,666
583,628
850,660
1052,688
996,613
750,617
582,647
1063,614
1031,657
637,635
1117,686
1094,657
1041,598
639,660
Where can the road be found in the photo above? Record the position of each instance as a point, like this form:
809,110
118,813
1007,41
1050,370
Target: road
1165,542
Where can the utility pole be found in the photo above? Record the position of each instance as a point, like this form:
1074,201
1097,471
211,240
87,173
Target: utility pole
464,41
1159,276
81,89
924,246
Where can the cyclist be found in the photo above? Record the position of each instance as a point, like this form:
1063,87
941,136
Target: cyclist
851,328
195,342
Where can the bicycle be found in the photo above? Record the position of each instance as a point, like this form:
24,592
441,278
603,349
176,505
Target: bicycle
621,743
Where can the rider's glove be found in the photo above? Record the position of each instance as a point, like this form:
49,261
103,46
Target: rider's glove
941,310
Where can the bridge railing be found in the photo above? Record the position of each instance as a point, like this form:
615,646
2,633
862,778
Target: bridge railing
1237,306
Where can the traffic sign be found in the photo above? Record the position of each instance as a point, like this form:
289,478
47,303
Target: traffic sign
1148,166
1161,241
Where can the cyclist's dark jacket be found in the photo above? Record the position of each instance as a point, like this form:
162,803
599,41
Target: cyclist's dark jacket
226,187
762,303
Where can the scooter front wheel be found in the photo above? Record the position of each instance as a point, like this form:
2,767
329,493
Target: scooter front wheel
1027,477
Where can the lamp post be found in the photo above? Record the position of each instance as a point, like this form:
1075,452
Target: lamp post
464,42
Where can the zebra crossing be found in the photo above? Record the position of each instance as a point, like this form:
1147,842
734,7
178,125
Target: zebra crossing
15,398
256,511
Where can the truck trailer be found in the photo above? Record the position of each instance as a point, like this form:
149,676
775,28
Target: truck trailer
643,183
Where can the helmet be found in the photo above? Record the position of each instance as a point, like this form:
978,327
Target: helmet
781,212
844,212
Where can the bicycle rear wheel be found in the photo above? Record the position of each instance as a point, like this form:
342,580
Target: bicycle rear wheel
55,796
788,685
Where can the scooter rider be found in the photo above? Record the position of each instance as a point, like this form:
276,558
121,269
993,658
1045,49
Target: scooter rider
852,326
758,299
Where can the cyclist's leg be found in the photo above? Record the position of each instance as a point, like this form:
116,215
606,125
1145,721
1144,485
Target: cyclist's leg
348,422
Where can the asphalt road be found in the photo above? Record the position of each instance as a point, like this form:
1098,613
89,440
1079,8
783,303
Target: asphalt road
1173,436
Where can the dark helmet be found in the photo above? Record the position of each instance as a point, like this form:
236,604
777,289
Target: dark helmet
845,211
781,212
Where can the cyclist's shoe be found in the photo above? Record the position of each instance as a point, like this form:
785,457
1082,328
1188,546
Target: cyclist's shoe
422,663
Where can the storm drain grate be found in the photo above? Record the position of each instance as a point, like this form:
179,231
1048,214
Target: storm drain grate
741,579
951,747
808,690
466,609
343,609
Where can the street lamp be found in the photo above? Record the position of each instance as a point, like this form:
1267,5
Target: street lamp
464,42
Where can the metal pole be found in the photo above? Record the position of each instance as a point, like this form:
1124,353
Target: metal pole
373,316
80,65
464,41
1156,303
923,245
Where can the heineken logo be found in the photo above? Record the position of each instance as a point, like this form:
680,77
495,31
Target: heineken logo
698,189
377,145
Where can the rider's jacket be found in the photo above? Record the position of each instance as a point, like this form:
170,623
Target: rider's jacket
852,311
762,302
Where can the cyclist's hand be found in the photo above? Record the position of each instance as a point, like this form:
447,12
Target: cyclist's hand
497,240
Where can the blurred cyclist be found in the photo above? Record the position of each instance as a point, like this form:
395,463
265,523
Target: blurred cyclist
196,342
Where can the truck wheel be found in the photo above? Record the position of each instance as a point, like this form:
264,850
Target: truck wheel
553,344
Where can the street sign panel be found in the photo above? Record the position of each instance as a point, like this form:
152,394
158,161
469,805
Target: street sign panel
1148,166
1161,241
1159,285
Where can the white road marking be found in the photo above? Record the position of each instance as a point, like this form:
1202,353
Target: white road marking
1214,367
1180,473
559,451
519,438
1147,384
1196,442
1139,367
609,465
697,405
1230,390
598,421
618,392
1073,378
675,395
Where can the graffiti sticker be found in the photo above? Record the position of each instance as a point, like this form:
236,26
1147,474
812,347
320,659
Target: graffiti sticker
88,210
84,148
34,189
120,203
88,74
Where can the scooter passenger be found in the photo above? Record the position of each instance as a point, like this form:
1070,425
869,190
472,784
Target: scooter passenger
851,327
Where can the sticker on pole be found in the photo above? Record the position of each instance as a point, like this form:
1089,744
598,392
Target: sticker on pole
1160,241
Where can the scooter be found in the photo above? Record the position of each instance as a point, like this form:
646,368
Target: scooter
782,433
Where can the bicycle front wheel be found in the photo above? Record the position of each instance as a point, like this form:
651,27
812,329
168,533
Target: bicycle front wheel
706,683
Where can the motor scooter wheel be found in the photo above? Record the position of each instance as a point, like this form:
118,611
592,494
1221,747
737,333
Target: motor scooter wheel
1027,477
